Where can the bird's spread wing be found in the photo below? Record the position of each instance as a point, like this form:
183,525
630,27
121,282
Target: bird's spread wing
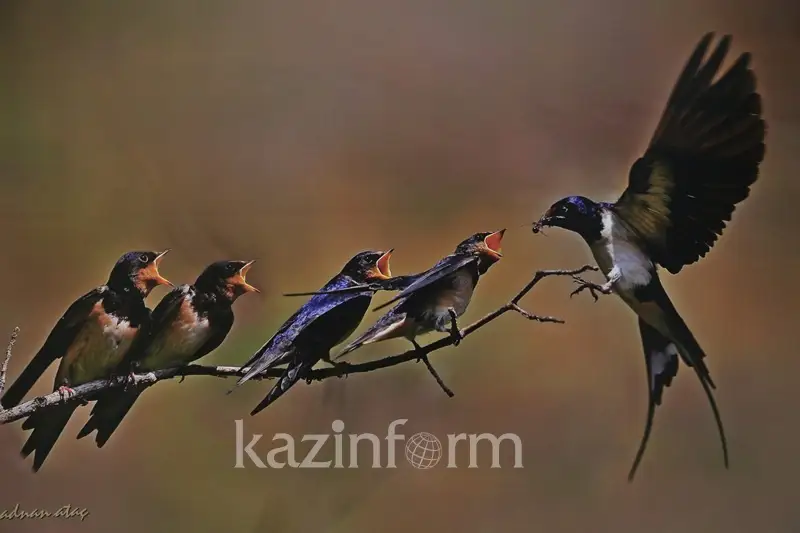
701,161
441,270
55,346
276,348
661,363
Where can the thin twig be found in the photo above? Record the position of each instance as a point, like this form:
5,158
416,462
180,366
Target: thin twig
87,390
4,369
437,377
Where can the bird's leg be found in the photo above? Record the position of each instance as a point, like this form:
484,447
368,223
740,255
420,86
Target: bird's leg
593,288
454,331
119,376
449,324
130,380
420,352
183,376
335,364
422,356
66,392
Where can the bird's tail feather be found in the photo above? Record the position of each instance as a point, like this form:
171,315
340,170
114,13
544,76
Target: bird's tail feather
353,346
693,355
389,326
690,350
25,381
292,374
107,414
264,359
47,427
707,386
661,363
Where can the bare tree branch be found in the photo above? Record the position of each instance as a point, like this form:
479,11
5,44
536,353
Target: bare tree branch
85,392
4,369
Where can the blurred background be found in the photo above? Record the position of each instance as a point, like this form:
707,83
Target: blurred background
298,133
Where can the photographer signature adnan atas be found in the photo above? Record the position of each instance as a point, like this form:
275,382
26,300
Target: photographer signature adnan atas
64,512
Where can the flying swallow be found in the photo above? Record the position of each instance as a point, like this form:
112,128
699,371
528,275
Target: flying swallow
91,339
701,161
434,299
188,323
326,320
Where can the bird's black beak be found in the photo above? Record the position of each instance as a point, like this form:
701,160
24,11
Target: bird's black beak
547,220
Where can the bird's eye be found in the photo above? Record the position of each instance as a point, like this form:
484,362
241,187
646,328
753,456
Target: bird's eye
231,268
143,258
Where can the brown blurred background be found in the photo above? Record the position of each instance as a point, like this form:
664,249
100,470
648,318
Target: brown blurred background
297,133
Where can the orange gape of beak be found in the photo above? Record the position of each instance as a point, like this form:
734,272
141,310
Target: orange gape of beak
493,244
382,270
239,281
150,275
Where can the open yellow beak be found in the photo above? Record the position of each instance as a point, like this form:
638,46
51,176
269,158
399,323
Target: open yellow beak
382,270
153,275
240,281
492,243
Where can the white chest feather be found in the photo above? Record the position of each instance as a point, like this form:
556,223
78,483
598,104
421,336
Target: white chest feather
97,349
116,333
186,339
179,342
619,257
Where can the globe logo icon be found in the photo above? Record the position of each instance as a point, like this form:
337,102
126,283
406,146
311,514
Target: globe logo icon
423,450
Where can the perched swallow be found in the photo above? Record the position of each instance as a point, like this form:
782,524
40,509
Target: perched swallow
326,320
434,299
187,324
91,339
700,163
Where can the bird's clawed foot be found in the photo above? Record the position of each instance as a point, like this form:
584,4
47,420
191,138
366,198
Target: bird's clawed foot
342,366
455,333
339,365
66,392
593,288
130,381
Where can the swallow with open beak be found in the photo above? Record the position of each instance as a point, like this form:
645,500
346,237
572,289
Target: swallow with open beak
91,339
326,320
701,161
188,323
434,299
